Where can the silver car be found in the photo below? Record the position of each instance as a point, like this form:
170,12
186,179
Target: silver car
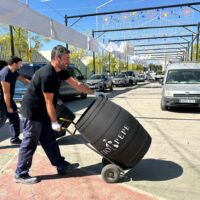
131,76
181,86
100,82
120,79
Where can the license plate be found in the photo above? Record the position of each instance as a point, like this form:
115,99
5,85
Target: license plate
187,101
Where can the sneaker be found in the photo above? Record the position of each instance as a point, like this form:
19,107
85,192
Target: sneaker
26,179
66,166
17,141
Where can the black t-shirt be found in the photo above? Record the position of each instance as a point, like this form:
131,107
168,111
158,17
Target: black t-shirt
45,80
10,77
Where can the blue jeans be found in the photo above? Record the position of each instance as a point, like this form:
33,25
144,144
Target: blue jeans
14,127
33,132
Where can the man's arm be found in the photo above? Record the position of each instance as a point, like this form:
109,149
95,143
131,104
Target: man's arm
50,107
79,86
22,79
6,93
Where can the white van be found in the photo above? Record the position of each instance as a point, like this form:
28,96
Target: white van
181,86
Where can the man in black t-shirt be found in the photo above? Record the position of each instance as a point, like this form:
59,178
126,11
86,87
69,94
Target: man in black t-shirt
8,77
39,115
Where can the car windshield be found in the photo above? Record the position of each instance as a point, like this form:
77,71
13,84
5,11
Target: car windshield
96,77
186,76
141,75
120,76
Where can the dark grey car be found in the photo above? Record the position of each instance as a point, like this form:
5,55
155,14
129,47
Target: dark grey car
65,89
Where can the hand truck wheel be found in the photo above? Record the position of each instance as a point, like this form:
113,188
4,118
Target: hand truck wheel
110,173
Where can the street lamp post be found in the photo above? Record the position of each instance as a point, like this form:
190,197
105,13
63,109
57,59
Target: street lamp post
97,8
29,41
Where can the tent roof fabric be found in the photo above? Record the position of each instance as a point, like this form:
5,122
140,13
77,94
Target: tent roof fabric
17,14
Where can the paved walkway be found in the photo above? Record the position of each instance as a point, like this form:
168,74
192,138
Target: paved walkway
80,184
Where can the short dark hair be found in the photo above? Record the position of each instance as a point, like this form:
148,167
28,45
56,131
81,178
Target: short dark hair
59,50
14,59
3,64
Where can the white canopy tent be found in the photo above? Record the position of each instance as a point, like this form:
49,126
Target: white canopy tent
121,51
15,13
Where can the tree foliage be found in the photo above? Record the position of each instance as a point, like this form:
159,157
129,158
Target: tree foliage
77,55
21,45
194,55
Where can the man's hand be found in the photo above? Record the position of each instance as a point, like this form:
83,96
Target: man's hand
56,126
10,110
97,94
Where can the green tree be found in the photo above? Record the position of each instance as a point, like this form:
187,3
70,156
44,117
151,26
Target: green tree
77,55
155,68
195,52
21,46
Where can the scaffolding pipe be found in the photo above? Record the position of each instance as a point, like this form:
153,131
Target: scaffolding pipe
66,24
146,27
178,48
160,44
12,41
135,10
150,38
197,53
191,48
93,53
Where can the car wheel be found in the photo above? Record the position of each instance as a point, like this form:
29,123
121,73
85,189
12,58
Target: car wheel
111,87
163,105
103,88
83,95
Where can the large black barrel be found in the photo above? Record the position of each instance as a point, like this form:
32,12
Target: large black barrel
114,132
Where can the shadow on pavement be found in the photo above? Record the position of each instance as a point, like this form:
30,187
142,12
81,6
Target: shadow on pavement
147,169
189,110
153,170
4,132
80,172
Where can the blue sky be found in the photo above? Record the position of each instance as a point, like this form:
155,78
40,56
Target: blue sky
57,9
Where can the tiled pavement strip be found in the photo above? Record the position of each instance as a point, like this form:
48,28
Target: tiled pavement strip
80,184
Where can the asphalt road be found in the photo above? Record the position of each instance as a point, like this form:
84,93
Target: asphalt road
170,169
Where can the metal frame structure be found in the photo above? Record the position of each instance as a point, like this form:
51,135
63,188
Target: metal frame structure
147,27
151,38
188,43
133,10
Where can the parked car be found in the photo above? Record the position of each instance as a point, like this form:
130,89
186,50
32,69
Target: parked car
28,69
65,89
159,77
181,86
120,79
100,82
141,78
131,76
